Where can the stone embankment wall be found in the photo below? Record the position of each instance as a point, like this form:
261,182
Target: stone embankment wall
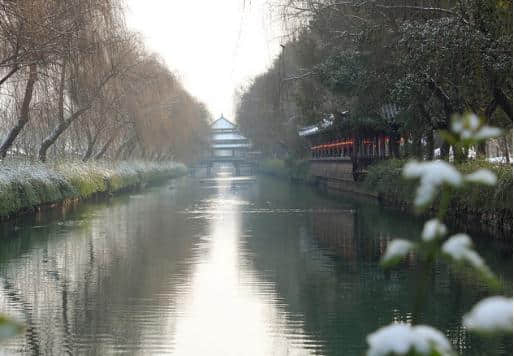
487,209
336,175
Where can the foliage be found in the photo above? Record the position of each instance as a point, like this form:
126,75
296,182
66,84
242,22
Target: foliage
430,59
385,178
486,198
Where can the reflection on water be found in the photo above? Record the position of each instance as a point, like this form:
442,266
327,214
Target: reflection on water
222,266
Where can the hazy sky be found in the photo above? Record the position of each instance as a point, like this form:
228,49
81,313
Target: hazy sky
214,46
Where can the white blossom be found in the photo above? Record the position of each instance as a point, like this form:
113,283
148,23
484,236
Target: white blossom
487,132
482,176
459,247
468,127
432,175
397,249
400,339
493,314
433,229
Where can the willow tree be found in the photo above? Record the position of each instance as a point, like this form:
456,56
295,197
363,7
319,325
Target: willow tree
89,63
29,38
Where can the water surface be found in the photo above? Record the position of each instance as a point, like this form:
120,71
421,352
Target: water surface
224,266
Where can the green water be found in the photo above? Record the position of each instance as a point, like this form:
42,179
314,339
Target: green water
224,266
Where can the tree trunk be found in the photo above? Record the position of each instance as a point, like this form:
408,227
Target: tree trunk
503,101
106,146
394,147
24,112
416,148
459,154
90,146
61,91
65,123
54,135
445,151
129,150
481,147
124,146
8,75
505,148
430,145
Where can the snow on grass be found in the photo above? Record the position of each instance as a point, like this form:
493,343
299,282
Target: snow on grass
402,339
497,160
482,176
396,250
25,184
491,315
432,230
432,175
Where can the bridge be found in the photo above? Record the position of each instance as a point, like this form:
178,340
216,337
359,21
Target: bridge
236,162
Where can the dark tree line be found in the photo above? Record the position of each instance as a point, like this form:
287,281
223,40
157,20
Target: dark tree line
428,58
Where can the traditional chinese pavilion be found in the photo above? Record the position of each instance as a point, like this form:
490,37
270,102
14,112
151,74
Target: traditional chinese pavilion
335,138
226,140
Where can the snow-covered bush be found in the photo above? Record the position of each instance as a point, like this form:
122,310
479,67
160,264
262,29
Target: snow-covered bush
441,179
25,185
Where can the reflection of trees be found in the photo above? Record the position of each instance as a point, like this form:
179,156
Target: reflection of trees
99,285
339,291
15,297
335,230
111,280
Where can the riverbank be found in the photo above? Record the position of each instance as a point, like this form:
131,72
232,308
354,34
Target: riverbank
485,208
489,208
28,186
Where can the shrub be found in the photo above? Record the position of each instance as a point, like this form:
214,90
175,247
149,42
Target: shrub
490,205
25,185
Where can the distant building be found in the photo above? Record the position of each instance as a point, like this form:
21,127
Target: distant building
227,141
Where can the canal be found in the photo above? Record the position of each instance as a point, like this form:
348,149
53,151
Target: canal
224,266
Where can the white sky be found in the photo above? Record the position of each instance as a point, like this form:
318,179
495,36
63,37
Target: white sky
215,46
